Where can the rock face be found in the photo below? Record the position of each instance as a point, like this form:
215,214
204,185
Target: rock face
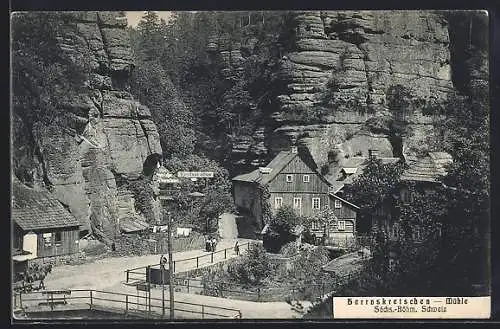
346,64
106,136
340,75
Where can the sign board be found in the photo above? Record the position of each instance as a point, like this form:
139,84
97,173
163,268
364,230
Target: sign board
195,174
169,180
143,287
154,276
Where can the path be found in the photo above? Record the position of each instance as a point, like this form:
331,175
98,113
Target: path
109,275
107,272
227,226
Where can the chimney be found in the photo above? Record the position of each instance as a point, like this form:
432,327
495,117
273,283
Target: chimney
372,154
293,149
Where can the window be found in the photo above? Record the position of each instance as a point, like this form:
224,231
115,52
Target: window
289,178
395,231
392,264
315,225
404,196
316,203
297,203
306,179
47,240
341,225
278,202
58,239
338,204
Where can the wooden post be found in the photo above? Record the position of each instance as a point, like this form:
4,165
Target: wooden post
212,258
202,311
258,294
188,285
91,299
126,304
52,302
174,266
20,300
225,253
127,276
149,295
196,262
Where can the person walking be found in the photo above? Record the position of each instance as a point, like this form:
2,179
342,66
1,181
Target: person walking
207,244
237,248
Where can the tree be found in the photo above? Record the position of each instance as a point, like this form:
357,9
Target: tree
280,230
252,268
217,198
374,184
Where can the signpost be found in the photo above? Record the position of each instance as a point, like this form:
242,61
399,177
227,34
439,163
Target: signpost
166,178
195,174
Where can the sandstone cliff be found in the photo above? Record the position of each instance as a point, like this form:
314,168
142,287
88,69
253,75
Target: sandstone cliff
106,135
339,77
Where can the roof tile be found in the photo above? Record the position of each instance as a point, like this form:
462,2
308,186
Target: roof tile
38,209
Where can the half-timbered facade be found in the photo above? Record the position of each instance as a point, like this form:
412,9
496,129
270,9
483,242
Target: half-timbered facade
293,180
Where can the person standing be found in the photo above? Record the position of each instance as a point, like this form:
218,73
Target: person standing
214,244
237,248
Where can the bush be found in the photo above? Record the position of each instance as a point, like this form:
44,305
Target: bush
280,229
252,268
289,249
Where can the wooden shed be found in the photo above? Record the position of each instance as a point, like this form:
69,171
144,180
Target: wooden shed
41,224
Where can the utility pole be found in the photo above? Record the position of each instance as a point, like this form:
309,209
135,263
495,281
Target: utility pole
170,269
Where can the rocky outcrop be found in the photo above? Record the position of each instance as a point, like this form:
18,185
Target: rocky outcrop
105,135
341,72
347,63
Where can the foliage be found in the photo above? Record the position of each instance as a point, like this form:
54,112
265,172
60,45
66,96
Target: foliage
281,227
152,86
201,212
143,197
374,184
35,272
265,196
252,268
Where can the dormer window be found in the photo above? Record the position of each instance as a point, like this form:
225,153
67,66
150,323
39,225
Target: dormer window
338,204
306,178
289,178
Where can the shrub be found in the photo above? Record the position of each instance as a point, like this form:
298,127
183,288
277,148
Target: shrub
280,229
252,268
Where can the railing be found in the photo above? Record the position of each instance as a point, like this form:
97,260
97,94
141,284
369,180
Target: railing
258,294
140,273
144,306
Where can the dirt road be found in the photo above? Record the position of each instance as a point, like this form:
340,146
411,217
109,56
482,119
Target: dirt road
109,275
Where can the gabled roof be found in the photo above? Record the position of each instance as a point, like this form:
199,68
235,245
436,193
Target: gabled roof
362,163
38,209
349,170
276,165
427,169
343,200
129,225
336,186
